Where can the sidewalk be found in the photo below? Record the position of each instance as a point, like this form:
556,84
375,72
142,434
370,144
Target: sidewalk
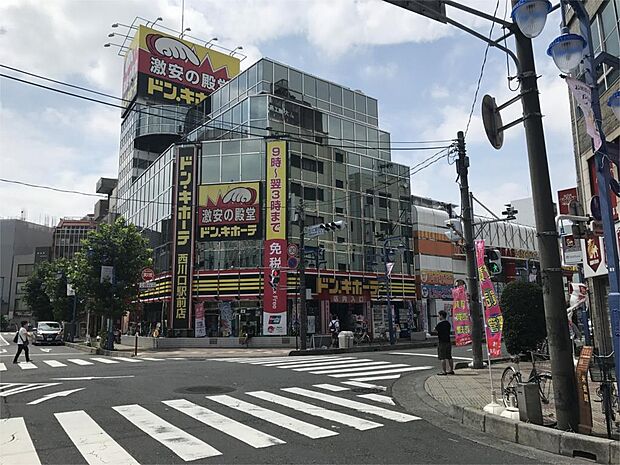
463,395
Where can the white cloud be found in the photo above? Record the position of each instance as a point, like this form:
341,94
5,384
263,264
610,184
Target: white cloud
380,71
439,92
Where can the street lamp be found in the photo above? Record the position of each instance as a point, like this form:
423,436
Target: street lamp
213,39
531,16
237,48
568,50
614,103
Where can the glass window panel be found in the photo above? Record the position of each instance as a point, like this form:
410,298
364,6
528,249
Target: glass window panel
231,146
245,104
309,86
612,43
215,101
258,107
230,168
368,162
295,81
251,167
335,131
251,145
596,40
353,159
372,107
608,19
360,134
243,83
252,76
348,100
267,71
360,103
237,115
280,73
224,93
322,90
347,132
233,89
335,94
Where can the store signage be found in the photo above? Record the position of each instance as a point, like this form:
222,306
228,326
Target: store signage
435,291
437,277
229,211
200,329
565,198
166,68
571,249
275,248
184,198
460,316
492,313
147,274
583,399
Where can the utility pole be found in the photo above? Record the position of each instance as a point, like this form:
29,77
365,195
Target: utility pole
467,214
303,324
560,347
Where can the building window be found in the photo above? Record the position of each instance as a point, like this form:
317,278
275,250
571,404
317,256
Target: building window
606,38
339,157
339,184
25,270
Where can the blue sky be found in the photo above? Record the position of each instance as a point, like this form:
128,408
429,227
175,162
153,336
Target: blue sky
423,73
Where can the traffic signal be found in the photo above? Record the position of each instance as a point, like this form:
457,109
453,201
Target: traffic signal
493,261
274,278
333,226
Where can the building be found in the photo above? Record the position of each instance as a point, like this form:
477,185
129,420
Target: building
22,245
605,20
68,236
274,136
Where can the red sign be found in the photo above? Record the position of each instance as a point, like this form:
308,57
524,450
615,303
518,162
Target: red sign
460,316
492,312
148,274
565,198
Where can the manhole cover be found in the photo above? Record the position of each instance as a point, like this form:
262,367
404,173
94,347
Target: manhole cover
212,390
367,390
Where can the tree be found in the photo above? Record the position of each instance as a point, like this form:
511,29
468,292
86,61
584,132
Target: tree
524,316
118,245
46,290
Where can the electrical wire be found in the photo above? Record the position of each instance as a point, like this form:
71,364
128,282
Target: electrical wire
484,62
507,58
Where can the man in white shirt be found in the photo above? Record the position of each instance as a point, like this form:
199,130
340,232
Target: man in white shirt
334,329
22,342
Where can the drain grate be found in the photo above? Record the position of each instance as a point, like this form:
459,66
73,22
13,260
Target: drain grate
211,390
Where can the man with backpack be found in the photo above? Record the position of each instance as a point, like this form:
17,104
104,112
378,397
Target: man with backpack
21,338
334,329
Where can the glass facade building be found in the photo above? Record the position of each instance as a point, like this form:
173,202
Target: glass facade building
338,163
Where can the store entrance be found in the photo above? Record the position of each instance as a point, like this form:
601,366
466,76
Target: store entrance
347,314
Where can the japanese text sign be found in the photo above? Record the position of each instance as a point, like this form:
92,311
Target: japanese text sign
492,313
460,316
229,211
275,247
183,220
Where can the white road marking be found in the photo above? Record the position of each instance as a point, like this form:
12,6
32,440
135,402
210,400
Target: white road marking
3,342
54,394
103,360
378,398
152,359
170,358
17,447
309,409
27,365
291,360
79,361
127,359
427,355
4,386
377,378
95,445
312,363
178,441
380,372
284,421
44,350
233,428
331,387
89,378
353,369
3,351
2,367
351,364
24,388
54,363
364,385
352,404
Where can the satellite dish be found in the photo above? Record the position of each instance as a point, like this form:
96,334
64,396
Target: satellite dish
492,122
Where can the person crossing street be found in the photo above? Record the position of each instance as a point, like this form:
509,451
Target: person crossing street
21,337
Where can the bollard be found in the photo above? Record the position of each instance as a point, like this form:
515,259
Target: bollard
135,349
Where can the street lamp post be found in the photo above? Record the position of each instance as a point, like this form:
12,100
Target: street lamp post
567,52
388,254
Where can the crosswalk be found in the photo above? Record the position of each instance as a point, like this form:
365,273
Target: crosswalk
281,417
32,365
341,367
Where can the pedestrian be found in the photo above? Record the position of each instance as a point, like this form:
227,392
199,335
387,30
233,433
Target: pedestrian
334,329
444,348
21,337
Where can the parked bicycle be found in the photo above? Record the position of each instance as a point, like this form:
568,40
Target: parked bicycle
360,336
606,390
382,336
512,377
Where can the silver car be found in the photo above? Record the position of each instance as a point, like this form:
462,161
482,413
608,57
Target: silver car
48,332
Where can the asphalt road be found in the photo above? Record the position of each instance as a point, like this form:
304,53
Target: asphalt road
157,409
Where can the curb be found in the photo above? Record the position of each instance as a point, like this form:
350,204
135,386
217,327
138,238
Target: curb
565,443
97,350
370,348
460,365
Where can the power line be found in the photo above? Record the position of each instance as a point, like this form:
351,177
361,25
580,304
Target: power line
484,62
51,188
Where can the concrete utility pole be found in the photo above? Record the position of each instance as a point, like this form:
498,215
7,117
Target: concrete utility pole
467,214
560,347
303,323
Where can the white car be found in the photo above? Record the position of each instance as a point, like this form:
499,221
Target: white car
48,332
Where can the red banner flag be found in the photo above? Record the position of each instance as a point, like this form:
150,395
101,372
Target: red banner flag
492,313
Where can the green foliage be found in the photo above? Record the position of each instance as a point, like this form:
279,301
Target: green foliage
46,291
119,245
524,316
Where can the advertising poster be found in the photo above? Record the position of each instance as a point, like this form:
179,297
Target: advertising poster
460,316
275,251
226,316
492,313
184,198
229,211
200,329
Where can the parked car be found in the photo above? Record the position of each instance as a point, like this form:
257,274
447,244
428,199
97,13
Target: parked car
47,332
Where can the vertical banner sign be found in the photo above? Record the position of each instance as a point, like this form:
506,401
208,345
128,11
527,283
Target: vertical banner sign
583,400
275,247
184,199
492,312
583,95
200,330
460,316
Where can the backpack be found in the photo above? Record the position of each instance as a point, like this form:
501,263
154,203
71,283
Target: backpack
333,326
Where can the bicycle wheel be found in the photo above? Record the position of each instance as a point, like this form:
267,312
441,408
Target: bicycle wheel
509,381
545,386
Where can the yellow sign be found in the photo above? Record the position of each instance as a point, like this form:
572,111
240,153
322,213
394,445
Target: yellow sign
276,190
